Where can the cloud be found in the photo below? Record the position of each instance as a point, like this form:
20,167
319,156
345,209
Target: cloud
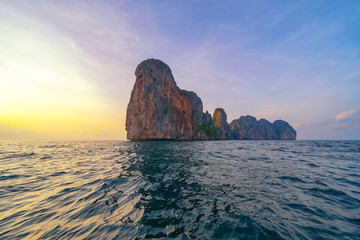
346,119
344,126
271,60
346,115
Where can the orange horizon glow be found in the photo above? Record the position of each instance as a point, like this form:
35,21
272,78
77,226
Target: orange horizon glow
46,93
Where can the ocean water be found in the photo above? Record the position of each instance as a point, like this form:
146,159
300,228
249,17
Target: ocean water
180,190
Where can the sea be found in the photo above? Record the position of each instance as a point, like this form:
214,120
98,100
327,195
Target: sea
180,190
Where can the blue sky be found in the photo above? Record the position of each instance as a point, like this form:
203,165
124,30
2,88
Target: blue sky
293,60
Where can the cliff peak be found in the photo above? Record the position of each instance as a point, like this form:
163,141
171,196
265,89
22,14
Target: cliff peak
220,123
158,109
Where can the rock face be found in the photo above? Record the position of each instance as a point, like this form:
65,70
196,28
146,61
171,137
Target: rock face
159,110
284,130
248,128
220,123
206,129
244,128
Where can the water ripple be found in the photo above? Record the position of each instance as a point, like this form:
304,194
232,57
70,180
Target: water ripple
180,190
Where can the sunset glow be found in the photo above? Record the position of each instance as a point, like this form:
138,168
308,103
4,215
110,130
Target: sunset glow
67,68
46,89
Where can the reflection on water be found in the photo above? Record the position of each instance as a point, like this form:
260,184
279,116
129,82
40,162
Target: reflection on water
176,204
180,190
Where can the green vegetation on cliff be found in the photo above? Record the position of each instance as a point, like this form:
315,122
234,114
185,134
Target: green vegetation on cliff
207,130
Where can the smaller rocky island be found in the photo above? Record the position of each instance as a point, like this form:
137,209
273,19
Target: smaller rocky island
160,110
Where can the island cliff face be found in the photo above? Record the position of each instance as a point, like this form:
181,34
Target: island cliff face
160,110
220,123
247,128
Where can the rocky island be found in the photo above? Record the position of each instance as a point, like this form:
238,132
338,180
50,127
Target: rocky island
160,110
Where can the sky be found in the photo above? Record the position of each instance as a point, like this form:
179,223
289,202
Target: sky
67,67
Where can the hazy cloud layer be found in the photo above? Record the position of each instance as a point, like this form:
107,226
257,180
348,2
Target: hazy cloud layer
296,61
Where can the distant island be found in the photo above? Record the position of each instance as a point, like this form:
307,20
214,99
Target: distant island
160,110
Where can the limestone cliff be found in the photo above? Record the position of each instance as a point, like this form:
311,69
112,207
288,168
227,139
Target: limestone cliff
284,130
221,125
248,128
206,129
159,109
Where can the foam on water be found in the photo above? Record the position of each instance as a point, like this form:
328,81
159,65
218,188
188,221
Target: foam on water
180,190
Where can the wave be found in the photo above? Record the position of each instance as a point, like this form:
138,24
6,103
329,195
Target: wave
180,190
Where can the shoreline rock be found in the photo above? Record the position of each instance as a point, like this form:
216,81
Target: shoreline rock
159,110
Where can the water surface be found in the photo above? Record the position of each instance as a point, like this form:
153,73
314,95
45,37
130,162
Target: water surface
180,190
